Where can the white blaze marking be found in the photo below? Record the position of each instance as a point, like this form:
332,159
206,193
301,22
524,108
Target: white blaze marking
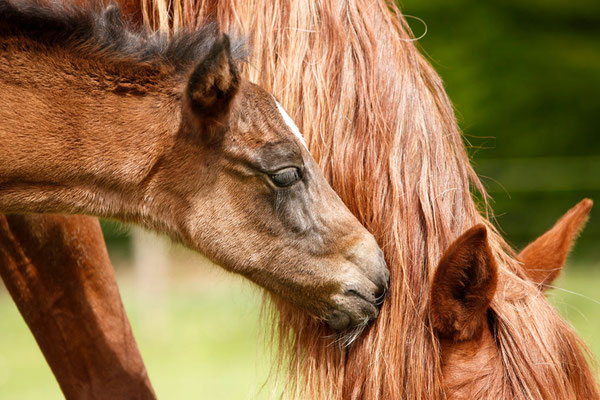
290,123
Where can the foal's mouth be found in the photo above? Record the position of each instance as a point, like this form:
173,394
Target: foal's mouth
355,309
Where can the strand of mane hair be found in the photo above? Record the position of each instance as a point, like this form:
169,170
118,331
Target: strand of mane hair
378,121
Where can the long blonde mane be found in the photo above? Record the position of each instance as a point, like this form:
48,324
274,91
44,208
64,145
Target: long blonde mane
377,119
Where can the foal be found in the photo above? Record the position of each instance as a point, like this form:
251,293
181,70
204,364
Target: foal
98,119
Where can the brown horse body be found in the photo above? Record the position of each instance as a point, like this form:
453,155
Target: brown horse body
417,202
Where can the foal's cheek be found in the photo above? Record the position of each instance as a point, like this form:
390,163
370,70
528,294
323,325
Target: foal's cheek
292,210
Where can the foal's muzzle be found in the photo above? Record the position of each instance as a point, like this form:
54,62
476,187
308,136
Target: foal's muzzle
365,289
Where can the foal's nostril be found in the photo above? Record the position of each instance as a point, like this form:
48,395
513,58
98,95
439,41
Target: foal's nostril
381,294
369,258
386,271
384,283
388,276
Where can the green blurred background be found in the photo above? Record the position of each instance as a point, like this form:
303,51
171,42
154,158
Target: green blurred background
524,76
525,79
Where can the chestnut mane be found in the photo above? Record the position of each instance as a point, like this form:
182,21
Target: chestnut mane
377,118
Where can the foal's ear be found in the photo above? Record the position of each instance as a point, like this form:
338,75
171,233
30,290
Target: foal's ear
463,286
543,259
214,83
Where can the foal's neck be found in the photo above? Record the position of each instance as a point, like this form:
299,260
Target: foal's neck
80,135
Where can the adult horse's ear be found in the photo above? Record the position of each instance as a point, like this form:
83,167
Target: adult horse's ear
543,259
463,286
213,84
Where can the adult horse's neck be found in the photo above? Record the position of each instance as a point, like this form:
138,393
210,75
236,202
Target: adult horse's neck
79,136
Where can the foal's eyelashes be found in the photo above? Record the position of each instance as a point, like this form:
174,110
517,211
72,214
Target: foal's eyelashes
286,177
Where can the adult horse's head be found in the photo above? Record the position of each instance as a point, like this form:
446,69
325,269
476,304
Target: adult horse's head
256,201
487,353
165,132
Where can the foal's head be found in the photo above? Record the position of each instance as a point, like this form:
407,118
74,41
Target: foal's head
259,203
485,354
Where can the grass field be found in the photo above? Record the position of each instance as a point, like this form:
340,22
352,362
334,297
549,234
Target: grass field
202,339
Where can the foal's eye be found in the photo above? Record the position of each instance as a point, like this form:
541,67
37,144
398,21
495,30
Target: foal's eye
286,177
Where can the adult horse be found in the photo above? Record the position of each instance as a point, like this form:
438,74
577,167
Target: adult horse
411,187
378,121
